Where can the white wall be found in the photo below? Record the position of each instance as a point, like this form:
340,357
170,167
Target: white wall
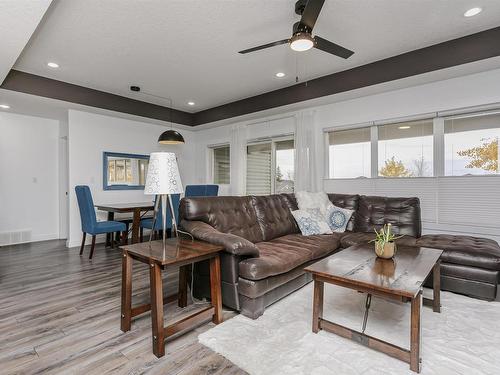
63,179
91,134
29,178
454,195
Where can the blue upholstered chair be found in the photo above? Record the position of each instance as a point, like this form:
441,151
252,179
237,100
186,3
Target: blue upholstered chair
90,224
202,190
148,223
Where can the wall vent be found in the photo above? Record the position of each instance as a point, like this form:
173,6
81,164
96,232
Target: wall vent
14,237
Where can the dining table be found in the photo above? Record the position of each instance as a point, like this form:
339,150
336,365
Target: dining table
137,209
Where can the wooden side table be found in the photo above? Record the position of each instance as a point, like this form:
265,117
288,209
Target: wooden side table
179,253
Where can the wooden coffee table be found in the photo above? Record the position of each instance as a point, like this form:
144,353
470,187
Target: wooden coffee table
179,253
401,279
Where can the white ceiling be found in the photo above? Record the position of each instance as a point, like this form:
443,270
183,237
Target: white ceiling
18,20
187,49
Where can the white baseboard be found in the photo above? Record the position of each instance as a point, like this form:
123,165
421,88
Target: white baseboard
36,238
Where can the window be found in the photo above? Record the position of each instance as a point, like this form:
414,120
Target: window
270,167
405,149
471,145
285,160
221,165
349,153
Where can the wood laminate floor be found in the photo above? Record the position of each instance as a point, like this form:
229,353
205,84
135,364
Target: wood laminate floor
60,314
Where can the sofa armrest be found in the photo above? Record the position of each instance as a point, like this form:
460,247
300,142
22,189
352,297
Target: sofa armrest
233,244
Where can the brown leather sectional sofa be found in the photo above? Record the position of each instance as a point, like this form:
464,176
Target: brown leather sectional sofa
265,252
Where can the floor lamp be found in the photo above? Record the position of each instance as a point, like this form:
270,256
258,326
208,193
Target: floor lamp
162,180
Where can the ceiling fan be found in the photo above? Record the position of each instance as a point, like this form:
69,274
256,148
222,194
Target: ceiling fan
301,39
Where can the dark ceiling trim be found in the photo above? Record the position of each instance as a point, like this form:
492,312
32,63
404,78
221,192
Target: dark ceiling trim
50,88
454,52
459,51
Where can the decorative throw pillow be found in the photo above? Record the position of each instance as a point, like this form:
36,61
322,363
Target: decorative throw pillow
311,222
337,218
307,200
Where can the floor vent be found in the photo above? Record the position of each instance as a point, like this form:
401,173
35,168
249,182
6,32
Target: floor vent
19,236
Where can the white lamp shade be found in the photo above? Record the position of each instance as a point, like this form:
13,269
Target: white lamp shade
163,174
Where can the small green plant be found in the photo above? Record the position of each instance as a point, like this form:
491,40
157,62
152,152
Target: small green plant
384,235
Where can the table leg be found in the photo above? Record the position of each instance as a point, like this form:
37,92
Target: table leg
415,328
317,304
109,236
184,277
436,279
136,220
126,315
215,289
156,296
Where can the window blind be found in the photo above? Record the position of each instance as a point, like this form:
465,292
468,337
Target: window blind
222,165
343,137
259,163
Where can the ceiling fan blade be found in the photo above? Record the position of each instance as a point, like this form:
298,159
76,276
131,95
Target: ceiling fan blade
311,13
279,42
334,49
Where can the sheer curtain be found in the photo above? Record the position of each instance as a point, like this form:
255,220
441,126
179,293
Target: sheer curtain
238,157
305,161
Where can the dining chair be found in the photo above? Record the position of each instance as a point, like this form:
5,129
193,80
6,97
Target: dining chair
148,223
202,190
89,221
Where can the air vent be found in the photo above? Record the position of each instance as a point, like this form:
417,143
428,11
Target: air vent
14,237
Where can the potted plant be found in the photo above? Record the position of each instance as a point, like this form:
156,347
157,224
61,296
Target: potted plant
385,247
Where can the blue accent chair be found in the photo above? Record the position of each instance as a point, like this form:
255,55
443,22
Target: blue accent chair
202,190
148,223
90,224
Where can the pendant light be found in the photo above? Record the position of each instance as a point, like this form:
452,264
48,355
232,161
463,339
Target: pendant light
168,137
171,136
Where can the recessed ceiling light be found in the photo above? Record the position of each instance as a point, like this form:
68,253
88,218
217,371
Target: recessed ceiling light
53,65
404,127
4,106
473,12
280,74
191,103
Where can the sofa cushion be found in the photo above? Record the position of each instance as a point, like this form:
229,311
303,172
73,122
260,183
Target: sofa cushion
338,218
469,273
310,201
356,238
311,222
286,253
464,250
347,201
234,215
291,201
402,213
274,216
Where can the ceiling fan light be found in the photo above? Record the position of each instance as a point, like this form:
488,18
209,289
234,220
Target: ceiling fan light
301,42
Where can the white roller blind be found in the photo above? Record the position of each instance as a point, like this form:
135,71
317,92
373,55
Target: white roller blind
344,137
259,164
221,165
409,129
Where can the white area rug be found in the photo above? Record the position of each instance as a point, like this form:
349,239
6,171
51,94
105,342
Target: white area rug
463,339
